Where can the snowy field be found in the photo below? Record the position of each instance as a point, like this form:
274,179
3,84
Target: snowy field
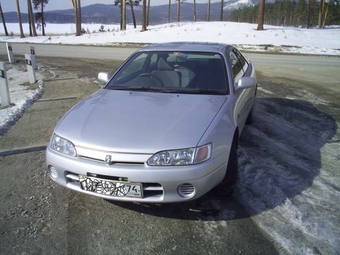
304,202
244,35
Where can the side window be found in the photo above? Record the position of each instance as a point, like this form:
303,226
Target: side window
243,61
236,66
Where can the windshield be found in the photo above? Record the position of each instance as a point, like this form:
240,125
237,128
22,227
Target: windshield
173,72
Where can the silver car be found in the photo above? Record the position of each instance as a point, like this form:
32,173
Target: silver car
165,128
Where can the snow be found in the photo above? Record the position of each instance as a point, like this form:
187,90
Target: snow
303,213
21,96
244,35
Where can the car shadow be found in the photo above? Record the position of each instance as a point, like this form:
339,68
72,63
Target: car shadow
210,207
279,157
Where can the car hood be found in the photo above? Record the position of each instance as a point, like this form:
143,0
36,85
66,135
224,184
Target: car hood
139,122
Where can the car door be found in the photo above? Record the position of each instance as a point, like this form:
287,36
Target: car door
239,66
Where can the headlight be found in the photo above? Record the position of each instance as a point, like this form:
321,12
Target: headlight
63,146
181,157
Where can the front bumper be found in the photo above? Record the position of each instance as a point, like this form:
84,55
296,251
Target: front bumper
160,184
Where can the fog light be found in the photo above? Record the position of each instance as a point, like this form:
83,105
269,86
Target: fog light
52,172
186,190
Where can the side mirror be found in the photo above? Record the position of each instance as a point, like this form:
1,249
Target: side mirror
104,76
245,83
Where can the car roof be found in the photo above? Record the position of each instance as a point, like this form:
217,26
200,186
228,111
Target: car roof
188,46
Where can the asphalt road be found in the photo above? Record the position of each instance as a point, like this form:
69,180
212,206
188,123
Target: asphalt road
121,53
39,217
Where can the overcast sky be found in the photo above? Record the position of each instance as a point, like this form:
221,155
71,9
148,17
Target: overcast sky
9,5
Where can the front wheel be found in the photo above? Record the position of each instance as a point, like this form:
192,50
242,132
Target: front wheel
230,179
250,117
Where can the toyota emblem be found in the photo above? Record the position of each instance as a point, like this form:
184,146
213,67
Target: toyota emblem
108,160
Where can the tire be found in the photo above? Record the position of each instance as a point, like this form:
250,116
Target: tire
230,179
250,118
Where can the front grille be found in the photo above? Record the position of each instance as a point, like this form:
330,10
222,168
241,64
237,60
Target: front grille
112,163
116,158
152,189
106,177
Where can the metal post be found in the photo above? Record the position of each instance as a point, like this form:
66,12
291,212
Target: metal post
10,53
4,91
30,69
32,52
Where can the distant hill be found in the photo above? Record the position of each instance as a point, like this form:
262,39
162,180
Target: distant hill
109,14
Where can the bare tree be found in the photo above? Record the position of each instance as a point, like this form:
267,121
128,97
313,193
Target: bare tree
123,6
308,13
178,10
131,3
40,15
43,24
321,14
222,6
79,16
20,21
260,17
121,15
77,20
194,10
33,31
144,21
74,3
3,20
169,9
329,5
148,14
208,10
29,20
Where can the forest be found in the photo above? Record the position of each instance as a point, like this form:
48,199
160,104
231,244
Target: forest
290,13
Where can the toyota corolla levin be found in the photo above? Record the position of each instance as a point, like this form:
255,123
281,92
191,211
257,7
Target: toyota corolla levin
165,128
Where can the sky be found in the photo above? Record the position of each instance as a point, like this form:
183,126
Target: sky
9,5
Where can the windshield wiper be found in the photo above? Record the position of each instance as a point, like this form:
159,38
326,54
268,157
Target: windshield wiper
206,91
152,89
173,90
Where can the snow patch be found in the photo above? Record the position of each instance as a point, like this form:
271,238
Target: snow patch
21,97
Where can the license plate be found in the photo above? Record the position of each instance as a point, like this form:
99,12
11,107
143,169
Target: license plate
110,188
